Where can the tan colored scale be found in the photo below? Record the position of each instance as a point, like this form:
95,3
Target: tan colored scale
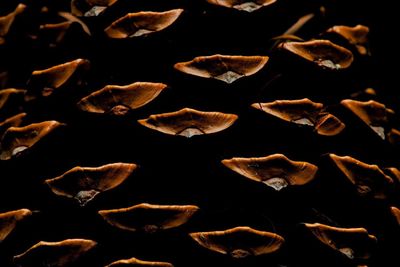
276,171
142,23
13,121
9,94
85,183
53,78
323,53
240,242
354,243
9,221
148,217
90,8
396,213
189,122
7,21
394,173
118,100
62,253
376,115
59,30
393,136
369,180
17,139
303,112
243,5
357,36
136,262
223,67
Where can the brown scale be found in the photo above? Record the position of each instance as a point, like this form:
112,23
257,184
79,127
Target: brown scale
142,23
222,67
323,53
44,82
355,243
10,219
372,113
303,112
243,5
17,139
90,8
369,180
7,21
61,253
240,242
396,213
276,171
357,36
118,100
85,183
189,122
136,262
149,218
13,121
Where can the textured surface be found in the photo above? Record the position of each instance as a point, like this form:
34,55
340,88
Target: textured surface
181,171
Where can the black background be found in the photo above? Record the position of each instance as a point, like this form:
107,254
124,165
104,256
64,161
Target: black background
175,170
